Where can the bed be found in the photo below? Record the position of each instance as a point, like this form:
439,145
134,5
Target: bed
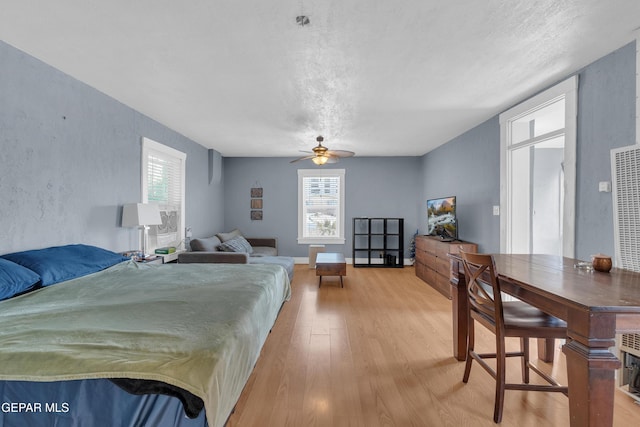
135,344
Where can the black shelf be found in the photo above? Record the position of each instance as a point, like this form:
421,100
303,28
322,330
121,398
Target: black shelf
378,242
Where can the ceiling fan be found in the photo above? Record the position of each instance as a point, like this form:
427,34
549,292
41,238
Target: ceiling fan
322,154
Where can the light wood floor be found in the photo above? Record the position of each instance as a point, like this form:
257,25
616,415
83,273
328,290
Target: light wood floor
378,352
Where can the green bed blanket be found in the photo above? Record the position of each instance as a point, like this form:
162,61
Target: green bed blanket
196,326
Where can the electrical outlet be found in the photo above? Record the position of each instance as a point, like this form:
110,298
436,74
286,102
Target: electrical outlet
496,210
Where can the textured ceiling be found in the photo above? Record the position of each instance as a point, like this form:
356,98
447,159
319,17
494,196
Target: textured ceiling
378,77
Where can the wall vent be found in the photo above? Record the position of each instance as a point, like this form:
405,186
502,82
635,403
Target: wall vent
630,343
625,168
625,171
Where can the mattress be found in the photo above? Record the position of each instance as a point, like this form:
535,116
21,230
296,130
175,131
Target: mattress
198,327
81,403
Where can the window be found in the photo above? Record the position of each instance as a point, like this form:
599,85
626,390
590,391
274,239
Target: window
321,206
163,182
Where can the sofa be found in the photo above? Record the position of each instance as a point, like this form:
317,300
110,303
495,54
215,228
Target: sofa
234,248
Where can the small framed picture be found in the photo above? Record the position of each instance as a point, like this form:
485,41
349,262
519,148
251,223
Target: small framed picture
256,215
256,192
256,203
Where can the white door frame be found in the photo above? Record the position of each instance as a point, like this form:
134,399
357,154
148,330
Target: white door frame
569,89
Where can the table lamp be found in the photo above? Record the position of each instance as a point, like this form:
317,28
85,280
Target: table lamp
141,215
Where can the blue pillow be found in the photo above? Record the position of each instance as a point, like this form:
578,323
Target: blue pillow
60,263
15,279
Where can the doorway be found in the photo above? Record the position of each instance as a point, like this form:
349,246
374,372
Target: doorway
537,161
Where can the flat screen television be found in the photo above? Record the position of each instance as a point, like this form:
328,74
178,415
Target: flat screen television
441,216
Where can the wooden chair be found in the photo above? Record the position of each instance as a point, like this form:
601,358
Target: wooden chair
504,319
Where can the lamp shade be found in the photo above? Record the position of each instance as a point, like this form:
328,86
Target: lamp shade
140,214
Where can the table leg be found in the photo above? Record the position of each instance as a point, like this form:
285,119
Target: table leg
459,311
546,349
591,368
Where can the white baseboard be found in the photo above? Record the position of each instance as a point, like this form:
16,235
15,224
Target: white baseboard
305,260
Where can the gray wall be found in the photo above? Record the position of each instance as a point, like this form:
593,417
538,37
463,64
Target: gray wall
70,157
606,120
468,166
375,187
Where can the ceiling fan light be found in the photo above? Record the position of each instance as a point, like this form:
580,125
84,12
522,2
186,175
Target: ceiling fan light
322,154
320,160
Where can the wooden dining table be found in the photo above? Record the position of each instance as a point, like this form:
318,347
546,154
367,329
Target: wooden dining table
594,304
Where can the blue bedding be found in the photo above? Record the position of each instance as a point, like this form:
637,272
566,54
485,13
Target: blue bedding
196,327
81,403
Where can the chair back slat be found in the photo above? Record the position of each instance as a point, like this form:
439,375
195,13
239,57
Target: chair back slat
483,288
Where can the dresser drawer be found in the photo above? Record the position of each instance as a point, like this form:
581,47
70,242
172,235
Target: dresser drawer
443,265
433,264
442,285
421,243
421,270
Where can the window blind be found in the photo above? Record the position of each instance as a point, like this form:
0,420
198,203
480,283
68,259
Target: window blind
321,206
163,183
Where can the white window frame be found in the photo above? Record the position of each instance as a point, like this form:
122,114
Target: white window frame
309,173
150,146
569,90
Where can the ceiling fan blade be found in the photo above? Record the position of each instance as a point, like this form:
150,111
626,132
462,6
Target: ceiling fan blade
340,153
303,158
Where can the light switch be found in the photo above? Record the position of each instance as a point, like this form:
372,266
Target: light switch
604,186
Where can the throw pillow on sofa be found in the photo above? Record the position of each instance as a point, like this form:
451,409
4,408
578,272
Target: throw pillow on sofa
208,244
230,235
236,244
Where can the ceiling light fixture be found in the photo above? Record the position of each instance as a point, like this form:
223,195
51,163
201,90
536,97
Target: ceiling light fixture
322,154
320,160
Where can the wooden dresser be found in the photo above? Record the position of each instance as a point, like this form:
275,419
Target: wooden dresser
433,264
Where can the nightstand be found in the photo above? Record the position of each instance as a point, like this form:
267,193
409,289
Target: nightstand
169,258
151,259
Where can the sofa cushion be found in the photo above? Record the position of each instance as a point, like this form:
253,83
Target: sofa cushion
259,251
213,257
228,236
208,244
237,244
